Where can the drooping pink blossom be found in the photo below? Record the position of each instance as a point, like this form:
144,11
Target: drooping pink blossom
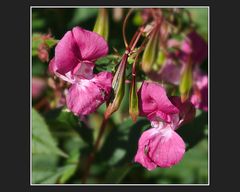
193,45
161,146
199,97
74,59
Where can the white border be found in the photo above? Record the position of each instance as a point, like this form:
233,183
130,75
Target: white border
208,7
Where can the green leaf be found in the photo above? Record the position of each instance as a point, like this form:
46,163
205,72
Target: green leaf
200,18
193,132
121,143
38,68
43,167
37,23
39,39
137,19
116,175
70,167
107,63
82,15
51,42
42,140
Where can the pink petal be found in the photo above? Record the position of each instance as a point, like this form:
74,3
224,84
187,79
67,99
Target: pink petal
166,148
84,98
171,72
104,81
199,46
154,101
199,97
187,109
141,155
91,45
67,54
83,70
38,86
52,68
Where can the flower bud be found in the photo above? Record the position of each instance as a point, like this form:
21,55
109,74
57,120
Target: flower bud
102,24
118,85
151,51
133,101
186,82
117,14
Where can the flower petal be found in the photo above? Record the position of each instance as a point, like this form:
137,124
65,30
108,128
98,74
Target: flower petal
199,97
166,148
186,108
38,86
52,68
83,70
141,155
199,46
91,44
154,102
171,72
67,54
84,98
104,81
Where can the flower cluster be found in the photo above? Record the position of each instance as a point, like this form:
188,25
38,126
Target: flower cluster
194,49
161,145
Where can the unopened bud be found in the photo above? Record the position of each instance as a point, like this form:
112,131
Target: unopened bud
117,14
133,101
118,85
186,82
151,51
102,24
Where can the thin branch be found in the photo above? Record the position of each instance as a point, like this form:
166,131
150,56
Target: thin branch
124,27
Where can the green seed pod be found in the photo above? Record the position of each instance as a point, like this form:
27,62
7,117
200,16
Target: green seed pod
151,51
118,85
133,101
186,82
102,24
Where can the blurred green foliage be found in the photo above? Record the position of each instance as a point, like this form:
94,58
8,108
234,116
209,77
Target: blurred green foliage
61,142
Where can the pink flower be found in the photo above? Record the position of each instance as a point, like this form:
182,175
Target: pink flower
193,45
161,145
171,72
38,86
74,59
199,47
199,97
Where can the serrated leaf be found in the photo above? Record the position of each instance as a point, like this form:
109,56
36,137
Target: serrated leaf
42,140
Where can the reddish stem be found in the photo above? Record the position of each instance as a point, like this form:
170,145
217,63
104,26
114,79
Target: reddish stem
95,149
